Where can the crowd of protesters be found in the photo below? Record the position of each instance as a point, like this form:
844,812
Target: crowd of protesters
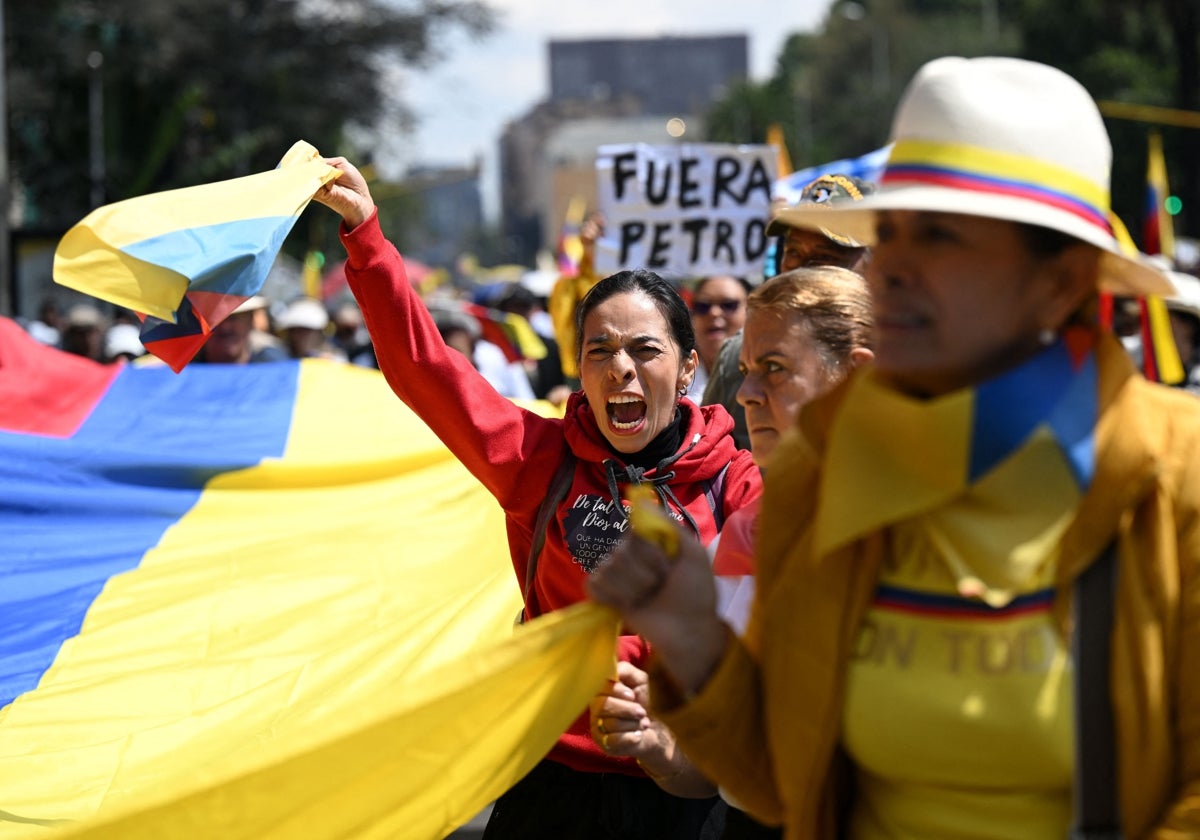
482,318
953,473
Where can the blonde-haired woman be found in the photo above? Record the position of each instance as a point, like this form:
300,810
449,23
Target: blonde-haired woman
937,647
806,330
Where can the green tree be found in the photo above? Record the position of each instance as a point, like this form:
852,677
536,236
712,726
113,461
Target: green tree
1122,52
835,89
198,90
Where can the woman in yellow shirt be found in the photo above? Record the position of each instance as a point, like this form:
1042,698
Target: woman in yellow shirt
908,669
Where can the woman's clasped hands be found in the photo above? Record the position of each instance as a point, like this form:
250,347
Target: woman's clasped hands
622,726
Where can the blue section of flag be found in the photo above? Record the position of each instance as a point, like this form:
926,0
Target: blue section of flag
186,323
1048,389
231,258
76,511
1009,407
1073,422
868,167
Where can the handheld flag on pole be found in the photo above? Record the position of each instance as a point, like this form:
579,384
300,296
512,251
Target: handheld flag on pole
1160,356
1158,235
185,259
570,246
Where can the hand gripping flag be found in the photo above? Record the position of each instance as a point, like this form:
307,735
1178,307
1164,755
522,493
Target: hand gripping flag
185,259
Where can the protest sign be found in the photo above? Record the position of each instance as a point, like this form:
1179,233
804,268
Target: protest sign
688,209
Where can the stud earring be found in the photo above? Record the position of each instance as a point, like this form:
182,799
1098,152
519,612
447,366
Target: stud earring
1046,337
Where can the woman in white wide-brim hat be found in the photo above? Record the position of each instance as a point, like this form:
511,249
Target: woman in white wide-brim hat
909,668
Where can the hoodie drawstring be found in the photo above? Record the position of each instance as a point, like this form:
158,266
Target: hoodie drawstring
619,473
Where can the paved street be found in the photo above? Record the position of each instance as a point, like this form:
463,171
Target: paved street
474,829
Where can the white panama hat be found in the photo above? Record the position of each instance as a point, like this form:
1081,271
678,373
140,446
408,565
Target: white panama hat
1187,293
1006,139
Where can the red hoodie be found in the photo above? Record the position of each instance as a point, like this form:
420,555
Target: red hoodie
515,453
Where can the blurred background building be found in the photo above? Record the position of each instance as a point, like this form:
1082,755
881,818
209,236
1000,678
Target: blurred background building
604,91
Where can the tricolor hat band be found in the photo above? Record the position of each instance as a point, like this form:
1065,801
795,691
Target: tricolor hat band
975,169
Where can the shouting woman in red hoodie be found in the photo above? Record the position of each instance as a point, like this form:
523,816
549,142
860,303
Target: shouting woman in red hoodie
629,424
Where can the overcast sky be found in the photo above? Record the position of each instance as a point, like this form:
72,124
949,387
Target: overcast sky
464,103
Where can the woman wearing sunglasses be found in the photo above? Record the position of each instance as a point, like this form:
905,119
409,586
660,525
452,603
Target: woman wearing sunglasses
718,312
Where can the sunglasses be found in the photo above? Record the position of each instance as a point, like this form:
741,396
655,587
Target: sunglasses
704,307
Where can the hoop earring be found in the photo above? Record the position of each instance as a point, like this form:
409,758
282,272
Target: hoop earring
682,391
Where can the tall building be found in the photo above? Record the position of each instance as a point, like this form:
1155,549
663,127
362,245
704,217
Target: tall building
450,213
664,75
604,91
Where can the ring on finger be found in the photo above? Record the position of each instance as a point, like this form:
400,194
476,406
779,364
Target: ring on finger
604,741
600,726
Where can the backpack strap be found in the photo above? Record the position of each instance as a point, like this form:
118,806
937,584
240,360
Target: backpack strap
1096,813
557,491
714,492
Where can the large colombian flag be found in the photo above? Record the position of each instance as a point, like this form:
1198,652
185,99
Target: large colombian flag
257,601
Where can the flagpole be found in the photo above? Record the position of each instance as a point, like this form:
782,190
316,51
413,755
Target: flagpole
1149,113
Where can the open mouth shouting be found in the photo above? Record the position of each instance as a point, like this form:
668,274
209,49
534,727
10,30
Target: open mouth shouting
626,413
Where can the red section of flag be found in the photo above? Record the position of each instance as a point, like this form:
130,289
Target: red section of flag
44,391
1149,349
1079,342
213,307
177,351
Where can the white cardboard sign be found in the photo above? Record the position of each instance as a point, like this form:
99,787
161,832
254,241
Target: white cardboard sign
687,209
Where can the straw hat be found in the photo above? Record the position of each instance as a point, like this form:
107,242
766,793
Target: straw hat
1002,138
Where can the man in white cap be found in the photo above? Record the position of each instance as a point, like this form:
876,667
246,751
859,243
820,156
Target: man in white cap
302,325
122,342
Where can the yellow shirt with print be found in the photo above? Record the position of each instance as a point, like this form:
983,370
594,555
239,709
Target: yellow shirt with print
958,713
